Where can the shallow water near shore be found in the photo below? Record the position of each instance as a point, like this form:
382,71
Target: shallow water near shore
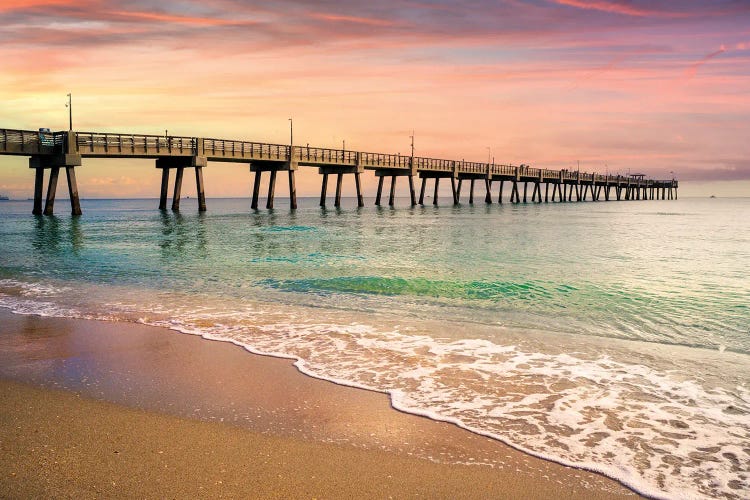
611,336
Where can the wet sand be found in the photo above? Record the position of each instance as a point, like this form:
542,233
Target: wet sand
116,409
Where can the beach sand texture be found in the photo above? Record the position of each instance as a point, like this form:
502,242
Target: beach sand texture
256,427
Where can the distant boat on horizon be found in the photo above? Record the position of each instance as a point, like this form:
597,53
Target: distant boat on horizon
4,198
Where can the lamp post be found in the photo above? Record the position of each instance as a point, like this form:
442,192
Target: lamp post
412,143
291,132
69,105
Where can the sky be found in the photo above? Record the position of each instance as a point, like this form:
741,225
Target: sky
654,87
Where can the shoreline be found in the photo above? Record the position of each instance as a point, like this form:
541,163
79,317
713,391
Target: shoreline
144,375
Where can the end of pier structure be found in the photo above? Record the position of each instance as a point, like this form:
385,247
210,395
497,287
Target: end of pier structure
64,156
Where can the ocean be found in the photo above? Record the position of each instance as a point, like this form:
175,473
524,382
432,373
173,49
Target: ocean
611,336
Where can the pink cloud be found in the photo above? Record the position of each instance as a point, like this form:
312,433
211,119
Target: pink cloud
617,8
693,69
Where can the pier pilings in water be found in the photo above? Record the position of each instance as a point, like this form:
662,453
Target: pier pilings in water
65,157
339,171
273,167
179,164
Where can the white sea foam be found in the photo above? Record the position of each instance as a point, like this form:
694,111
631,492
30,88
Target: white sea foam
665,433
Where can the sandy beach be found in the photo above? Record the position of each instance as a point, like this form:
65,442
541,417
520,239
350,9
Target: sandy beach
93,409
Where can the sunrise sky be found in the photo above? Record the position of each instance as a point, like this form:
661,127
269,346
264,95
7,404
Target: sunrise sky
647,86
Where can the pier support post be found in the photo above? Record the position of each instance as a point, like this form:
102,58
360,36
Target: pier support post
546,192
525,188
177,189
458,189
256,190
380,191
392,193
292,191
271,190
49,204
471,192
412,195
358,185
500,193
570,193
435,194
421,191
75,202
164,189
200,189
514,196
487,192
337,199
38,187
323,188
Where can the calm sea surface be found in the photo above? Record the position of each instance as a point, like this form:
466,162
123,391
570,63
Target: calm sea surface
612,336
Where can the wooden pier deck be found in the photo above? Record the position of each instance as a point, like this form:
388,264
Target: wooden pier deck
55,150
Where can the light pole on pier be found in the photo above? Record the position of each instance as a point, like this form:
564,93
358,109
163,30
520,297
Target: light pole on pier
412,143
69,105
291,132
489,154
672,172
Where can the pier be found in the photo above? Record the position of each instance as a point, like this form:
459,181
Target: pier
52,151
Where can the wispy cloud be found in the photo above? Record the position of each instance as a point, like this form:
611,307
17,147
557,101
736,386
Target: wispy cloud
622,8
173,18
353,19
693,69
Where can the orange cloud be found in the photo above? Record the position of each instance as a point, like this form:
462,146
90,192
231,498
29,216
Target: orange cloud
171,18
8,5
352,19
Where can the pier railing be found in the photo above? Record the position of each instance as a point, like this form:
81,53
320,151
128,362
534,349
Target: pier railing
98,144
223,148
106,144
30,142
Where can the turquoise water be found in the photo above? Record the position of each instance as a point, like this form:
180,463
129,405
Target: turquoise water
612,336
